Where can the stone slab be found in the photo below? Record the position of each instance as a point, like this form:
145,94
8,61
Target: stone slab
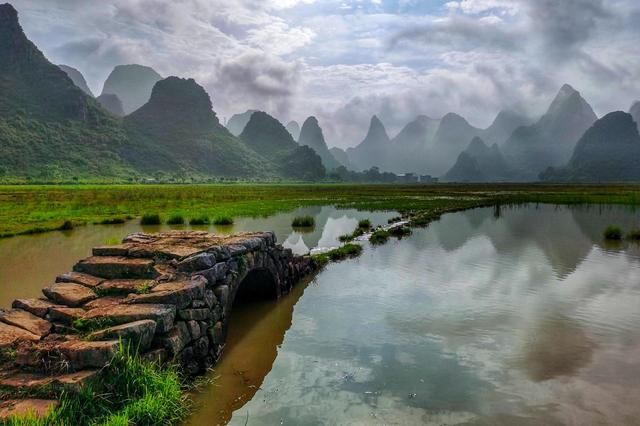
125,286
80,278
69,294
38,307
163,315
27,321
82,354
10,335
139,334
113,267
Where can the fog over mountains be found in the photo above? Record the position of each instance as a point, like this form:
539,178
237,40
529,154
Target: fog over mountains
144,126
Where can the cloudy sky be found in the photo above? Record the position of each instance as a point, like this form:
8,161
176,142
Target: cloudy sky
344,60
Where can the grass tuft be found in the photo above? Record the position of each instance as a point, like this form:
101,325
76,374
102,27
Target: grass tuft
303,222
613,233
176,219
341,253
223,221
150,219
200,220
380,236
113,221
364,224
400,231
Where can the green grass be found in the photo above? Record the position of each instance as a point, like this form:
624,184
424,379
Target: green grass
400,231
150,219
28,209
176,219
89,325
129,391
338,254
223,221
613,233
200,220
303,222
379,236
364,224
112,221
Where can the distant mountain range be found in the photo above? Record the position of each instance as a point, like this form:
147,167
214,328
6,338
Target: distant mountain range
145,126
50,129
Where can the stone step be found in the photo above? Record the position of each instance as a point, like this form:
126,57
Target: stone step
65,315
163,315
138,334
178,293
27,321
80,278
38,307
38,408
113,250
81,354
10,335
113,267
69,294
125,286
34,382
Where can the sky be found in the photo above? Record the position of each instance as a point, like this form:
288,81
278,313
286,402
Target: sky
345,60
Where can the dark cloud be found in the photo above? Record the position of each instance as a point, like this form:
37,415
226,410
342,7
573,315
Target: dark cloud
256,81
462,33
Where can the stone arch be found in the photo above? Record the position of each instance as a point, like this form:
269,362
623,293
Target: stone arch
257,284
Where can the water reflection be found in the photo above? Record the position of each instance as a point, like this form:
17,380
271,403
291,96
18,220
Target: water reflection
523,319
31,262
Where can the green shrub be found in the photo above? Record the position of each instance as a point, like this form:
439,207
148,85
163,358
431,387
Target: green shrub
613,233
112,221
400,231
380,236
150,219
176,219
364,224
201,220
303,222
634,234
223,221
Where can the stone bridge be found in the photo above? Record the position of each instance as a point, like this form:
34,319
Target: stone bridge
168,295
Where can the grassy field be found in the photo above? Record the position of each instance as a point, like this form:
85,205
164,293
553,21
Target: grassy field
29,209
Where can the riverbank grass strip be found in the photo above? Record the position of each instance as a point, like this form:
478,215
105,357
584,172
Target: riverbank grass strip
303,222
129,391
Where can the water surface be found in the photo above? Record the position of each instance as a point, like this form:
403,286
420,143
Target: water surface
517,316
31,262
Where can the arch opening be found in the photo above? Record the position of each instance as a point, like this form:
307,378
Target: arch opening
258,285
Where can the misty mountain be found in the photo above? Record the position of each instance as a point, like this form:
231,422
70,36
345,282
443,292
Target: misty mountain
479,163
550,141
294,128
178,127
49,128
373,150
269,138
453,135
111,103
132,84
237,122
503,126
410,152
635,112
341,156
311,136
609,151
77,78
